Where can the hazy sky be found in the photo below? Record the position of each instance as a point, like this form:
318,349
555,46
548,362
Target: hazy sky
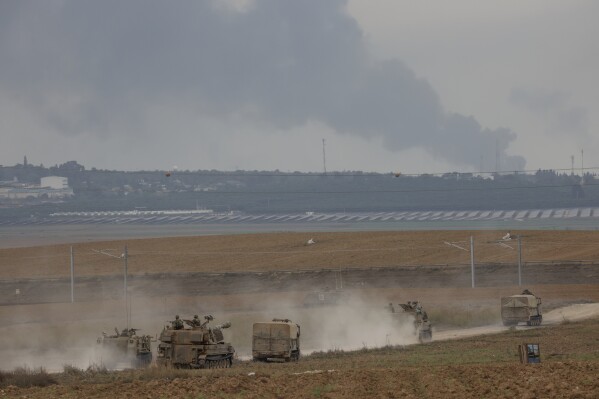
391,85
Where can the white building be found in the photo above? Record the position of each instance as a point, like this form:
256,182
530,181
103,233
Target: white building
51,187
55,182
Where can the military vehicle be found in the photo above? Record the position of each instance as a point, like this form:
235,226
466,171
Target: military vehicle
422,325
525,307
196,346
279,339
125,349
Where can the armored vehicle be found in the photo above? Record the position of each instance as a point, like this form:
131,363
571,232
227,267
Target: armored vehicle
125,349
422,325
195,346
525,307
279,339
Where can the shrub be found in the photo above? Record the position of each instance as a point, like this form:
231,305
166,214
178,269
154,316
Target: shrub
25,377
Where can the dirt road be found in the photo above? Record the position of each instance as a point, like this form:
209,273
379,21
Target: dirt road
574,312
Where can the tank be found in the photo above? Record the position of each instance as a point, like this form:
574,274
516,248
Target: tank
276,340
194,345
124,349
422,325
523,308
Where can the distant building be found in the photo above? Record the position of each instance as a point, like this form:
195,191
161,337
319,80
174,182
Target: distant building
51,187
55,182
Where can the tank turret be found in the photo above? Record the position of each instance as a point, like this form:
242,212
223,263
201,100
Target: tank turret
197,345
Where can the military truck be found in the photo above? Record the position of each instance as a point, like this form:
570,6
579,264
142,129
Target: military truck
195,346
422,325
125,349
279,339
525,307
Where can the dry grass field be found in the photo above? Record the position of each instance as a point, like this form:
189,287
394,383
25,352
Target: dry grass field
288,251
350,355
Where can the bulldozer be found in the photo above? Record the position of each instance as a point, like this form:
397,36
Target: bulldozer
194,346
422,325
523,308
124,349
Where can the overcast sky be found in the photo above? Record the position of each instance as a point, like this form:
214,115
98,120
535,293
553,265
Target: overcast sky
390,85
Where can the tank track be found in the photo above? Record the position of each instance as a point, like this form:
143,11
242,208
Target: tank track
219,362
535,321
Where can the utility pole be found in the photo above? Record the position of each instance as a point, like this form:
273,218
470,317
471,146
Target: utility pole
125,257
472,259
502,242
72,276
519,261
453,244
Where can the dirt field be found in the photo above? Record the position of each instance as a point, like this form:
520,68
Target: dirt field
283,262
246,278
288,251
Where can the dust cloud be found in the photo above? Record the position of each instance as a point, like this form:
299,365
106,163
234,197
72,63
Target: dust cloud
56,335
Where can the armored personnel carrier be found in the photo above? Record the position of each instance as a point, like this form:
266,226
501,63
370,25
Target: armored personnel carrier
525,308
125,349
422,325
195,346
279,339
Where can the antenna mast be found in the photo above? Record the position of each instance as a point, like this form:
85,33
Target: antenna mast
497,156
581,166
324,157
